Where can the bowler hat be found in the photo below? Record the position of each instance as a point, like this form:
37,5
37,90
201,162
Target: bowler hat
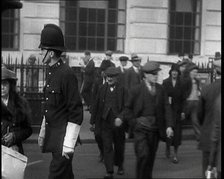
217,65
112,71
8,74
191,67
183,62
174,67
123,58
135,57
151,67
109,53
87,52
104,65
217,55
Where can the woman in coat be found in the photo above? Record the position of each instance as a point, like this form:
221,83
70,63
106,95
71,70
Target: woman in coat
173,88
16,113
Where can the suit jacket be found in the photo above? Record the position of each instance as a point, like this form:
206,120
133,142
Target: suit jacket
89,75
206,113
132,78
135,102
98,106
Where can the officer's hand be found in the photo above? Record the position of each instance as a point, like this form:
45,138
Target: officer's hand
182,116
66,151
118,122
40,142
169,132
9,138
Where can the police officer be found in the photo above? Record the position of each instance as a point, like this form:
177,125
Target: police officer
63,110
150,111
107,116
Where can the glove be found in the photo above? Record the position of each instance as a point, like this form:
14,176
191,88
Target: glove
169,132
42,134
71,135
9,139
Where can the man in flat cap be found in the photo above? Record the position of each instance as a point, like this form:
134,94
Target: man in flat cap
207,116
107,115
148,109
89,76
191,89
123,70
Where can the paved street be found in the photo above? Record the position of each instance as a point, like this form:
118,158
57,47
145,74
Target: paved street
86,165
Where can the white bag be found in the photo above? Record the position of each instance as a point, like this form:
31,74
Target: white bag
13,164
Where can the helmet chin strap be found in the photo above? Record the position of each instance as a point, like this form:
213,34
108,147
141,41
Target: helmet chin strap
45,56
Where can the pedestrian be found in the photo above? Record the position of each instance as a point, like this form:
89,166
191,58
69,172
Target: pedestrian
16,113
192,90
173,88
123,70
96,86
89,76
63,110
183,65
215,152
107,117
108,58
32,74
206,115
148,107
134,73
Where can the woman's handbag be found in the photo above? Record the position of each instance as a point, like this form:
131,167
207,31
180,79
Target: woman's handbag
13,164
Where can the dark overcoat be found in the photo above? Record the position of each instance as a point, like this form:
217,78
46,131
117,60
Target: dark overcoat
177,96
135,104
206,113
99,104
132,78
16,118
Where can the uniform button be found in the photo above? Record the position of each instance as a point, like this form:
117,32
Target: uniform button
46,99
49,73
53,91
13,124
46,110
58,63
47,85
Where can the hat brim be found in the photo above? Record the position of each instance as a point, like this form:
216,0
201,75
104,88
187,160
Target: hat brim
62,49
152,71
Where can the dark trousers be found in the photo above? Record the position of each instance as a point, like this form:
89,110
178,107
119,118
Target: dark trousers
60,167
113,147
191,112
87,93
205,162
146,144
99,141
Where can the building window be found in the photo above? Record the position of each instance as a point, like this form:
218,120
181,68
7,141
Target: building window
184,27
10,29
93,25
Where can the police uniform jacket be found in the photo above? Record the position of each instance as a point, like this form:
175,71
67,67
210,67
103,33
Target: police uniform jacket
99,104
135,105
62,105
16,118
206,114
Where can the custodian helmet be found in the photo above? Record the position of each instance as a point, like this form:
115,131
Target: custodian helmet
52,38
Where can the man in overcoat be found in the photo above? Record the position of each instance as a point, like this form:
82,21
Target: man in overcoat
107,116
150,111
89,76
63,111
206,115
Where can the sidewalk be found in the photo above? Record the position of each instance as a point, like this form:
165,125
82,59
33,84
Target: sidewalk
88,137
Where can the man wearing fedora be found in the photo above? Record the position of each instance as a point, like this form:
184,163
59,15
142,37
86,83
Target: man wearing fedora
107,115
134,73
206,114
63,110
123,70
147,106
